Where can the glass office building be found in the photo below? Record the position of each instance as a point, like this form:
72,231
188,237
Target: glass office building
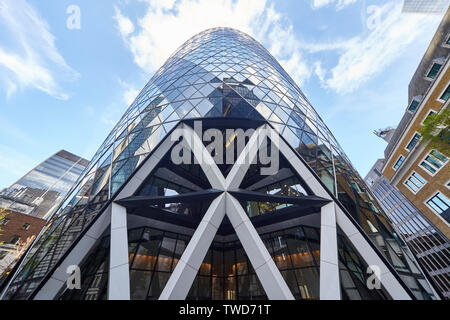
44,187
430,246
143,225
425,6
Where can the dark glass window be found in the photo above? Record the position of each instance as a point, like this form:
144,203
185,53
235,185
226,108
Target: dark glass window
434,161
434,70
446,94
413,142
413,106
226,272
3,254
399,162
14,240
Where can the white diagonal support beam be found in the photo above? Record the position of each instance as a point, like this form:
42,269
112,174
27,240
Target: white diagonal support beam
330,288
247,157
183,276
387,279
186,270
75,257
369,255
268,273
119,270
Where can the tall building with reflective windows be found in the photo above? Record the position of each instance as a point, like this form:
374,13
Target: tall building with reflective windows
412,182
223,223
427,242
425,6
44,187
25,205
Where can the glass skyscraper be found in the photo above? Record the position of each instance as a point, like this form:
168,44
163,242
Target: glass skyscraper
44,187
425,6
26,204
141,224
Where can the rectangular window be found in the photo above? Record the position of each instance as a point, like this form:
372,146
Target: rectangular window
413,142
355,187
415,182
434,71
4,221
439,203
26,226
446,94
14,240
434,161
374,209
428,116
413,106
439,156
428,167
399,162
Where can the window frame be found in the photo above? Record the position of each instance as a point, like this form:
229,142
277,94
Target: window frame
424,160
13,237
398,159
447,86
418,188
357,189
434,194
409,105
430,68
446,39
26,226
4,221
410,140
3,254
428,114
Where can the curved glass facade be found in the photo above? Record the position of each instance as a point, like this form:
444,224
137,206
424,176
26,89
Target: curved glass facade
219,73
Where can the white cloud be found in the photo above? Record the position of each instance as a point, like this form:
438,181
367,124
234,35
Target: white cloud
165,25
366,56
339,46
340,4
168,24
28,56
319,71
124,24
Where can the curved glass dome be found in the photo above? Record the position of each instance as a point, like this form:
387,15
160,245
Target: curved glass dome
220,72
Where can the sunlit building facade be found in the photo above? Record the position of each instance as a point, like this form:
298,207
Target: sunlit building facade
223,223
416,168
427,242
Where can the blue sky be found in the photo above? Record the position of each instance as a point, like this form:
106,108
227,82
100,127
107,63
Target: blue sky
65,88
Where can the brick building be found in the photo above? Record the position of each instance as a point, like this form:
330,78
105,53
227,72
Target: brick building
17,229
